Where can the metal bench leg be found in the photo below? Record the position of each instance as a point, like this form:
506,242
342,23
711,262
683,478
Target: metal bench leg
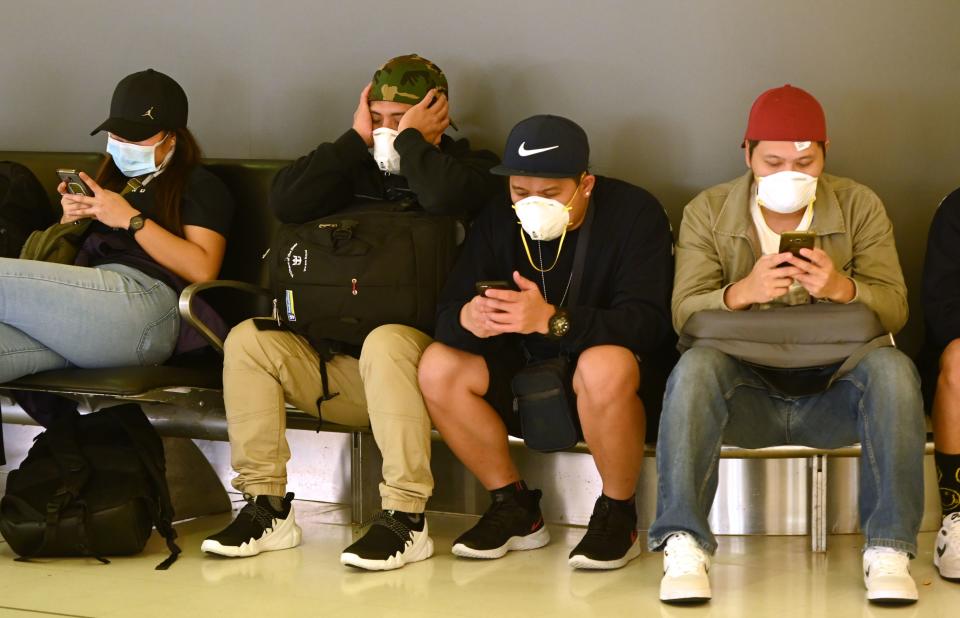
818,503
365,470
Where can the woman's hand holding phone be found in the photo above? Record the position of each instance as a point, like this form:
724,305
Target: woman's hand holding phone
105,206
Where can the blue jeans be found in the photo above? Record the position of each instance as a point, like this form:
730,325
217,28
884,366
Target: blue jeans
714,399
54,316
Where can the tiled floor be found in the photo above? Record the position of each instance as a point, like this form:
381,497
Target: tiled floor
752,576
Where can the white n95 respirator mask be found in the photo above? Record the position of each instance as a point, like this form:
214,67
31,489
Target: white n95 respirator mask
786,192
386,156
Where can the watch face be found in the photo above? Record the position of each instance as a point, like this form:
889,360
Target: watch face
136,223
559,325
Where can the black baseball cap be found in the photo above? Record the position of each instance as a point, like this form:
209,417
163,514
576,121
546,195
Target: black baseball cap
546,147
144,104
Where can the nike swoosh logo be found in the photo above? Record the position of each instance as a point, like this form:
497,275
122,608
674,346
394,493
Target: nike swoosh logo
524,152
941,550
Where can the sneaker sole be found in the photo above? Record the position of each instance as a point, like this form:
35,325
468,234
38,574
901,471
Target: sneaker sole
285,536
580,561
534,540
421,550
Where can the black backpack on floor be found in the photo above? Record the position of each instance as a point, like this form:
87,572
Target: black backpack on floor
91,485
339,277
24,207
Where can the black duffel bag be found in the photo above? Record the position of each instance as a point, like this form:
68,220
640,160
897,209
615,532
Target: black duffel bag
92,485
338,278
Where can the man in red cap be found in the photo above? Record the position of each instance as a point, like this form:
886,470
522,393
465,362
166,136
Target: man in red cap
728,258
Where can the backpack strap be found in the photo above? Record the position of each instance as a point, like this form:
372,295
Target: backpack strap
135,423
74,469
580,254
327,352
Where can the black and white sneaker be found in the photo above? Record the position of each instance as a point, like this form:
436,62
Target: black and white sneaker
946,551
264,524
394,539
513,522
611,540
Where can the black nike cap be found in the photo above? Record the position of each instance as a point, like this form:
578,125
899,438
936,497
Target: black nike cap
545,147
144,104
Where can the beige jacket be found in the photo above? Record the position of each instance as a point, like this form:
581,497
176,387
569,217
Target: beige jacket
718,246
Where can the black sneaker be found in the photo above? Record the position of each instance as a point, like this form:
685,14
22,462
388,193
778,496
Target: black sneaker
611,538
260,526
393,539
507,525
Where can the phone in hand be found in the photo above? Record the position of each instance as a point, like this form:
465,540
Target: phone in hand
75,185
483,286
794,241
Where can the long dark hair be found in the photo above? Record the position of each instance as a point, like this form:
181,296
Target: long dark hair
168,187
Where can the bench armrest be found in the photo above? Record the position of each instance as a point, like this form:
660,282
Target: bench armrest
190,292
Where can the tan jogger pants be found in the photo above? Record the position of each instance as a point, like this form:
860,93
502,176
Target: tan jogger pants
263,369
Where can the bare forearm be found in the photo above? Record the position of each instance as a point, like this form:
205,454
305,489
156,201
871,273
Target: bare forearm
181,256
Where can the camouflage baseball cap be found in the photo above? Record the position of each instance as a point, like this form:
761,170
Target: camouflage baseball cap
407,79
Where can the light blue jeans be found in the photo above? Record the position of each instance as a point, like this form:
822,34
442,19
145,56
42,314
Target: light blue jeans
54,316
714,399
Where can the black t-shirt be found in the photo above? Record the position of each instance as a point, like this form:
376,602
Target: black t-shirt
206,202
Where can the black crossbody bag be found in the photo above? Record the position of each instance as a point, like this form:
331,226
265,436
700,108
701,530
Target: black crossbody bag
543,391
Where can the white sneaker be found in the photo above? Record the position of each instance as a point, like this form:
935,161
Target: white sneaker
685,567
946,552
886,574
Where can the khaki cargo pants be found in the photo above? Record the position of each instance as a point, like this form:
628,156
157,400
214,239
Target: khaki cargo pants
264,368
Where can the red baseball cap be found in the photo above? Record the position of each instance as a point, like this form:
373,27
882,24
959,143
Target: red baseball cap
786,114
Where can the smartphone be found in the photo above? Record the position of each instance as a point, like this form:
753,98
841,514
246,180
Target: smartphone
483,286
794,241
75,185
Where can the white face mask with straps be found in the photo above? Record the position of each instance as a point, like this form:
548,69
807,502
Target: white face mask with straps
386,156
786,192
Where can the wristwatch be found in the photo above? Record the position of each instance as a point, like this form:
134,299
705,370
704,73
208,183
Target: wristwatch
136,224
559,324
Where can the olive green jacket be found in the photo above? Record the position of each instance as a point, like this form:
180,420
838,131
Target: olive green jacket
719,246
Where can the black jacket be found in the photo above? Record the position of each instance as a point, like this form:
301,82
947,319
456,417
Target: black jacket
941,275
628,275
451,180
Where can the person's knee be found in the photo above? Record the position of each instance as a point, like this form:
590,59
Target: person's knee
442,369
242,341
698,365
892,368
391,343
949,378
606,373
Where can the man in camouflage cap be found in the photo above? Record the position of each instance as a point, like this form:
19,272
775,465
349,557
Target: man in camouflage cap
400,117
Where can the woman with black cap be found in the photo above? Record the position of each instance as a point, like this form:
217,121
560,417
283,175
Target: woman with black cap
158,222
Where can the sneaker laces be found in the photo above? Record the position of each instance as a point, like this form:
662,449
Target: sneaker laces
598,526
394,525
887,561
683,556
263,517
499,514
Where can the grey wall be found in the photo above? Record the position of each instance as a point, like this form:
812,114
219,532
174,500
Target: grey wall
663,88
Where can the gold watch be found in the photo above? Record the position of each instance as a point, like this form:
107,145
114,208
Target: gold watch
559,324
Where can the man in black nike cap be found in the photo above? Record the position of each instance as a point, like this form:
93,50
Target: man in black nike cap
589,272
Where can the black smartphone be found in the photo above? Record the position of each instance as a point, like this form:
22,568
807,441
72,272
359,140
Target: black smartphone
794,241
483,286
75,185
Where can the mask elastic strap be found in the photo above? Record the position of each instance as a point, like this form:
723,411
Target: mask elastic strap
523,238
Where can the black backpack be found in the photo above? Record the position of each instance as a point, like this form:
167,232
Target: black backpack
337,278
24,207
91,485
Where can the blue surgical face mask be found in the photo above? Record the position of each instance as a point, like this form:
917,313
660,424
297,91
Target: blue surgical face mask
135,160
